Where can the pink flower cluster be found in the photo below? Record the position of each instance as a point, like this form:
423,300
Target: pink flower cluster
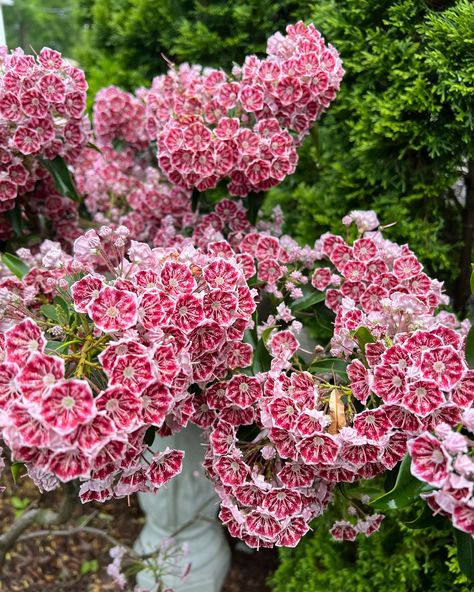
81,408
377,284
269,494
422,381
42,102
120,116
45,206
444,460
211,126
121,188
346,530
279,264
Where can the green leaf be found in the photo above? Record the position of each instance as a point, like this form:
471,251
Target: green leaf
54,345
150,436
332,365
465,545
15,469
15,265
254,203
50,312
89,566
118,144
472,280
248,338
470,347
364,336
20,503
406,491
57,312
261,358
62,308
307,301
15,219
195,200
92,146
62,177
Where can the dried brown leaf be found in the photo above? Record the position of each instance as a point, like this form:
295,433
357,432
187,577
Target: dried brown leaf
337,412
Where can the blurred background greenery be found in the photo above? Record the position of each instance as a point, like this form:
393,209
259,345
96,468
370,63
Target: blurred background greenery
399,139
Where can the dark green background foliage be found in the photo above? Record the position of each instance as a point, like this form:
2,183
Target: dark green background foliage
395,559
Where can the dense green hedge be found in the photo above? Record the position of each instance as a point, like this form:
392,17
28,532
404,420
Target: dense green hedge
396,559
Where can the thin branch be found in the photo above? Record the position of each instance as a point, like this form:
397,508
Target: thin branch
34,516
105,535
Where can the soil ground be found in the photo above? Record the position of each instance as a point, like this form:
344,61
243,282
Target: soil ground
77,563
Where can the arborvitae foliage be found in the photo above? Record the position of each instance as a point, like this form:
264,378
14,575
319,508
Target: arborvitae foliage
126,39
395,559
399,138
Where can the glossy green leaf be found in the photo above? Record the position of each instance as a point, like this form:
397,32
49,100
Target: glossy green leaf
470,347
406,491
15,219
364,336
254,203
249,338
308,300
150,436
15,265
93,146
62,309
195,200
261,358
424,519
465,546
50,312
15,469
54,345
472,280
62,177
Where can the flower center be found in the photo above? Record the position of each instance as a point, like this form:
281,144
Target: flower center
129,372
33,345
112,405
49,379
67,402
397,381
112,312
420,392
